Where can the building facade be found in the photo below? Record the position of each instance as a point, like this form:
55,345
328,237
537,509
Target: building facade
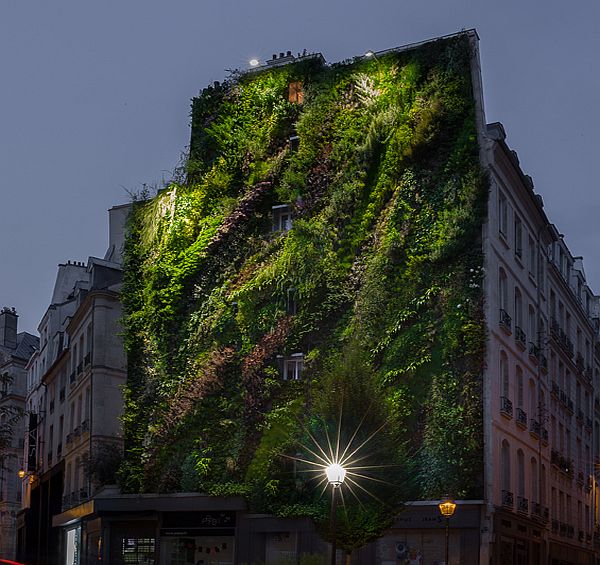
73,443
539,400
15,350
541,378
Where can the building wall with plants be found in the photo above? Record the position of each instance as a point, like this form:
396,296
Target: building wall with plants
373,297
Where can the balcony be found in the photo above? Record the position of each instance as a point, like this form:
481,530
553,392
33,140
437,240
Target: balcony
534,352
505,321
536,510
506,407
588,424
522,505
61,394
534,428
507,499
77,432
563,529
545,436
85,426
88,359
555,391
83,494
69,439
570,531
520,338
521,418
72,377
555,526
80,368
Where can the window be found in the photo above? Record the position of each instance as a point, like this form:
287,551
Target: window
518,307
520,473
504,374
518,237
532,400
505,465
282,218
519,387
293,367
534,495
532,326
502,214
532,257
296,93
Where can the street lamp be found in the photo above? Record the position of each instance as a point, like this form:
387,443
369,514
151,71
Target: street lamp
22,473
254,62
335,475
447,508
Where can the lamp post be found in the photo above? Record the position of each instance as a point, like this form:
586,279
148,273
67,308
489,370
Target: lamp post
335,475
447,508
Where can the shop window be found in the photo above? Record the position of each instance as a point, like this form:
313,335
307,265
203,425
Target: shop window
138,550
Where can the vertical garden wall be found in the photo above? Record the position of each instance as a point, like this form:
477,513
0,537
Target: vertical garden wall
373,298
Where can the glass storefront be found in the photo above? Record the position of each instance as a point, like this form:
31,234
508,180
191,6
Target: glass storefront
198,550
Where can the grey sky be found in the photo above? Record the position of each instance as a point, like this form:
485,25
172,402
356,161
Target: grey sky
95,96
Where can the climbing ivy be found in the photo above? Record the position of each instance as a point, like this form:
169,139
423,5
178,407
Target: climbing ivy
377,283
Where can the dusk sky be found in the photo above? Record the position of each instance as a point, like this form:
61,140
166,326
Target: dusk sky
95,100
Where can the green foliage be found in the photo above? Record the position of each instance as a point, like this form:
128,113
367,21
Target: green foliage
383,266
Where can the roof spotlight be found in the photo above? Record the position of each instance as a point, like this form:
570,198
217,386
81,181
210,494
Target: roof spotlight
254,62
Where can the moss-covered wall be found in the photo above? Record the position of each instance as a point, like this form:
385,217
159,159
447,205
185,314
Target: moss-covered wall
378,283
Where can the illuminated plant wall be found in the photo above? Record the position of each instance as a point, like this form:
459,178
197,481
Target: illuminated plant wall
373,298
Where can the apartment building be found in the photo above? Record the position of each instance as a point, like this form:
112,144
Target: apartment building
74,399
15,350
542,367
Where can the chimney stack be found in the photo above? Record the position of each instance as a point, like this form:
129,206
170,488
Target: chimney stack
8,327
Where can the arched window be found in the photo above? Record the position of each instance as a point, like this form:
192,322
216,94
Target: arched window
533,411
505,466
520,392
518,308
520,473
503,289
504,377
534,494
532,326
543,485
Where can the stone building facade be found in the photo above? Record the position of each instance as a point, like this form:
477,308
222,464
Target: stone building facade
74,399
15,350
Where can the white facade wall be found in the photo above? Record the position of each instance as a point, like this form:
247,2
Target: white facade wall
540,451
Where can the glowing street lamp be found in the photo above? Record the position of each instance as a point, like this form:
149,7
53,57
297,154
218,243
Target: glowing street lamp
447,508
335,476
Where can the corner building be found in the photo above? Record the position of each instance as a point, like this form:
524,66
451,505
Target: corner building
503,411
541,380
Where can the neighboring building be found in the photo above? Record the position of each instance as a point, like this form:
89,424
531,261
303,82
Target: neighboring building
15,349
74,397
541,378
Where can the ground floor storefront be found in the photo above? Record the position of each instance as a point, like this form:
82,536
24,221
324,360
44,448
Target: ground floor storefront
191,529
522,540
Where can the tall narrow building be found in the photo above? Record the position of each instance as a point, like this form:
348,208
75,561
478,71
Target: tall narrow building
15,350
